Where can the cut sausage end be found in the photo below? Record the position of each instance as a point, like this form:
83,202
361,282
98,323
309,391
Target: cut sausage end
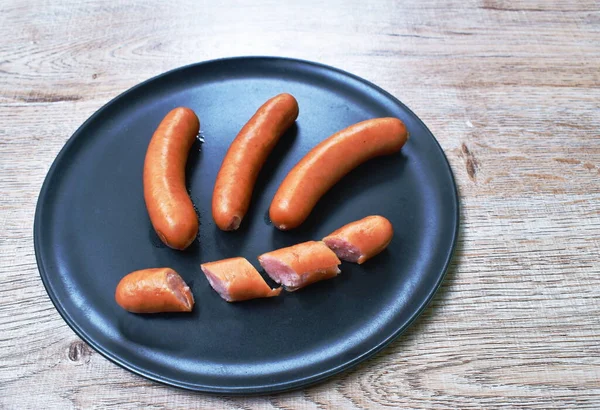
236,280
300,265
216,284
234,224
226,221
344,250
360,240
154,290
181,291
279,271
282,273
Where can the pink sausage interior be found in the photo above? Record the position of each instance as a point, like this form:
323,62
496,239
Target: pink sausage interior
217,284
280,272
343,249
179,288
285,275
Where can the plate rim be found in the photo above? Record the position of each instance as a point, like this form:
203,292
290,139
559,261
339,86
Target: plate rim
276,387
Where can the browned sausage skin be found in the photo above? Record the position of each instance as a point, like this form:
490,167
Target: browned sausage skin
169,206
246,156
153,291
328,162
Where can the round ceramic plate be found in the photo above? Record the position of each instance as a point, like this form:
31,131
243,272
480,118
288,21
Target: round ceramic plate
92,228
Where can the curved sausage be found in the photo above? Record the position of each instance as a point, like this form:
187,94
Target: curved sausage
300,265
235,279
170,208
328,162
246,156
360,240
153,291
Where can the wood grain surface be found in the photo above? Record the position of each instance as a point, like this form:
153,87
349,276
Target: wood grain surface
511,89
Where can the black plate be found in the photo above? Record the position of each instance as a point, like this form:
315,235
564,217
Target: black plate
91,228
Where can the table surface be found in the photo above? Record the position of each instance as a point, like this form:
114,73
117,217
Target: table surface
511,89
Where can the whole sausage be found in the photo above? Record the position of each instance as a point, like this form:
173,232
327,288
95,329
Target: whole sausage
246,156
300,265
235,279
328,162
169,206
153,291
360,240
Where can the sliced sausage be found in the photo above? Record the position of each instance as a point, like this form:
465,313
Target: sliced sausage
300,265
235,279
360,240
153,291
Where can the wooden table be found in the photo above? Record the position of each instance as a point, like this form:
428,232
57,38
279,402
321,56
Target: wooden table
511,89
